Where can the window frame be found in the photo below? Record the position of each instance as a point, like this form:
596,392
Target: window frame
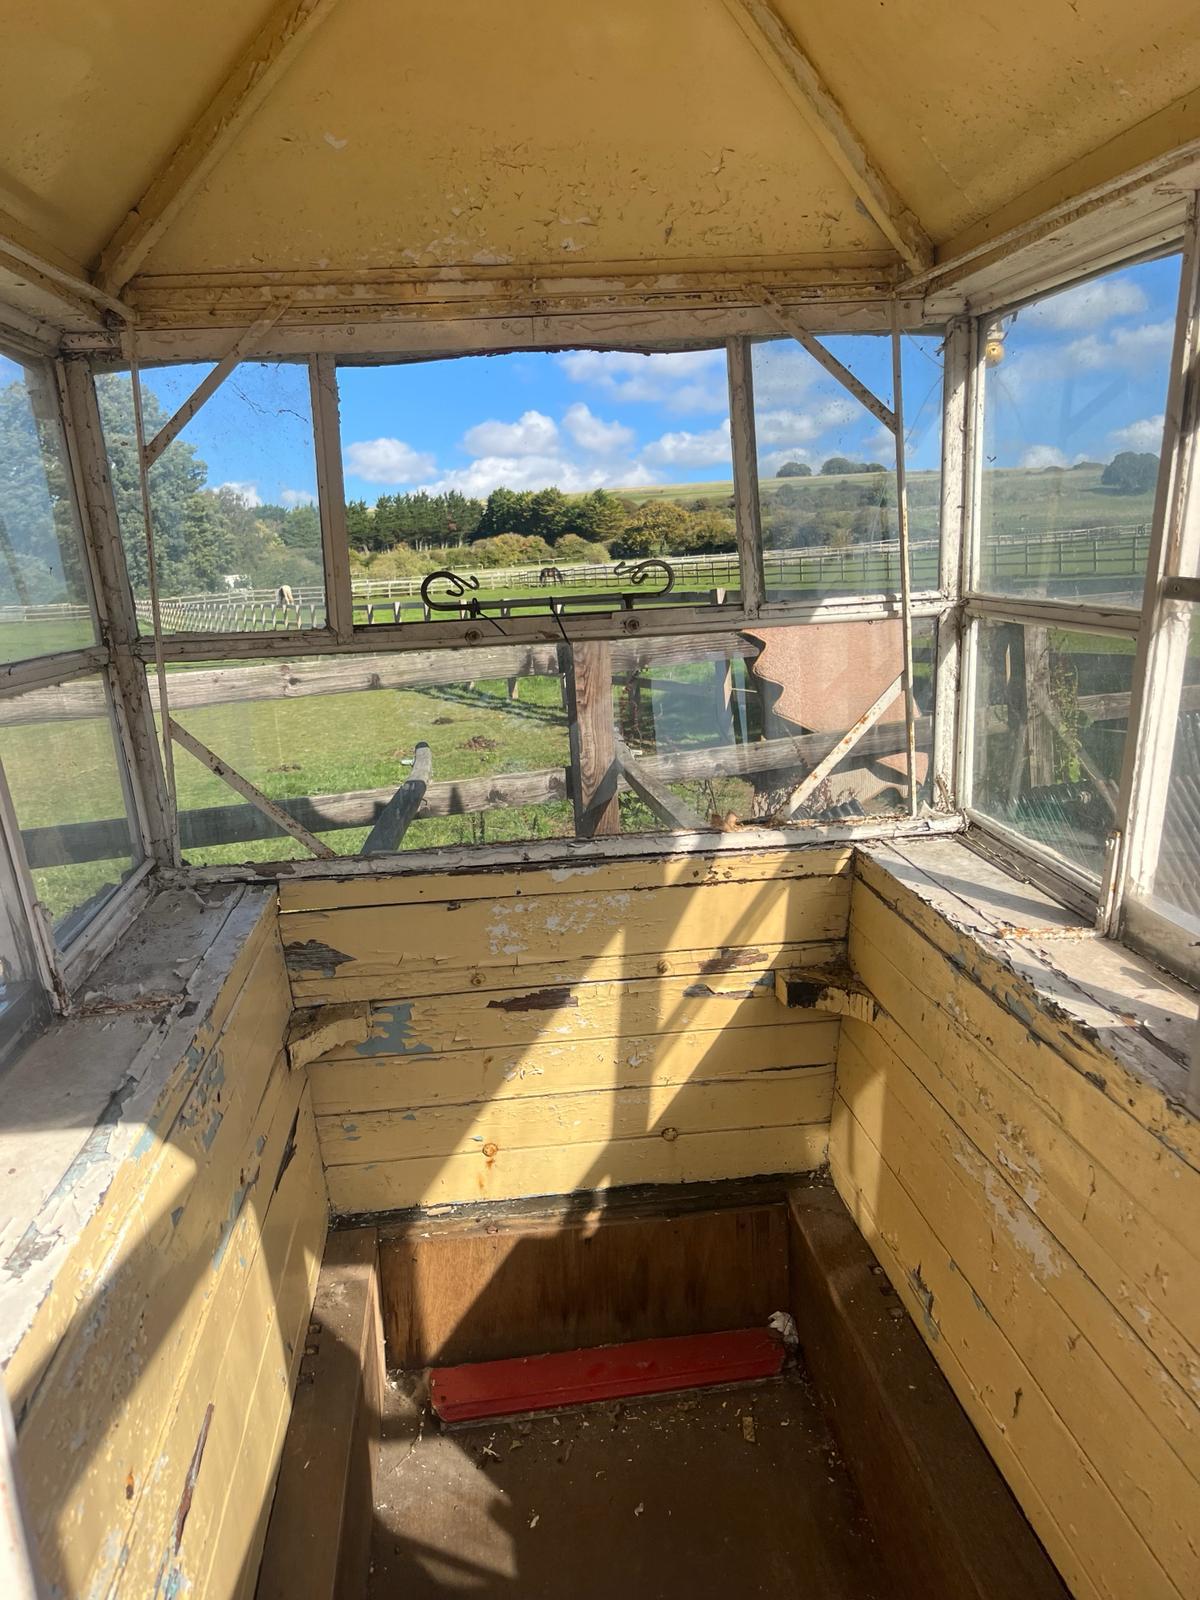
59,969
341,635
1109,898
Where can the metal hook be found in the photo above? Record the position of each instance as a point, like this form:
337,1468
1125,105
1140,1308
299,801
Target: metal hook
642,571
451,600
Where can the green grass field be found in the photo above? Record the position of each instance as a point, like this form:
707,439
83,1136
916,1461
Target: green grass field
65,772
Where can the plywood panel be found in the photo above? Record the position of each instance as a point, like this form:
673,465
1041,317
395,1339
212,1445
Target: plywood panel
512,1174
797,1095
567,1065
499,1290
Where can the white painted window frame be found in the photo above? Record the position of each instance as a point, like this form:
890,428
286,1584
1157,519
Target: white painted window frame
341,635
60,970
1112,899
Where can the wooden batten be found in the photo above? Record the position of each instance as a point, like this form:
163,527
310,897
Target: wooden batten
1008,1140
538,1032
152,1383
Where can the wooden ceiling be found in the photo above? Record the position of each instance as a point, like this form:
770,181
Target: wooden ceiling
219,149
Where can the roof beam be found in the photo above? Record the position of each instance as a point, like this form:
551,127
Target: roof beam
803,84
276,44
25,255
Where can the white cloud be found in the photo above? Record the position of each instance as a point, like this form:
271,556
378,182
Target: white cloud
247,493
1042,455
592,433
690,449
800,427
1144,435
1125,347
784,374
387,461
297,497
534,434
486,473
681,380
1088,305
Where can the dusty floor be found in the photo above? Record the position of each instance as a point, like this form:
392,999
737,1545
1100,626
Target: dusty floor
713,1495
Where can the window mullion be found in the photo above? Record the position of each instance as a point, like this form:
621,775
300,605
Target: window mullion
102,535
952,520
331,498
1163,635
745,475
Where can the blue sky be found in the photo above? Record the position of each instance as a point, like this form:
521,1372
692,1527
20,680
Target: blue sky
579,419
1083,375
1084,372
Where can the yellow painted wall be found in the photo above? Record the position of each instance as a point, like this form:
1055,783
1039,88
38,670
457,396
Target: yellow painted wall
1036,1208
154,1385
542,1031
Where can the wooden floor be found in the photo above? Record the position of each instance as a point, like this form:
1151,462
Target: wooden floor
705,1496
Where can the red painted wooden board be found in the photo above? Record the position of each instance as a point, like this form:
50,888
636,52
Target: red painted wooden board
613,1372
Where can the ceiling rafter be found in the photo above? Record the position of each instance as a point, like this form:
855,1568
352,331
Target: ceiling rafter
27,256
264,61
806,88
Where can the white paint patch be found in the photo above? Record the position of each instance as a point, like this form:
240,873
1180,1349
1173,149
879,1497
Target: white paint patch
1023,1229
335,143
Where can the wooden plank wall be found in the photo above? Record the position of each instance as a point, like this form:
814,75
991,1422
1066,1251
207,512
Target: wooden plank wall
541,1031
154,1386
1035,1204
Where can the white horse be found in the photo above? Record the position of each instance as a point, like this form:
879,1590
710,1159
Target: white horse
284,595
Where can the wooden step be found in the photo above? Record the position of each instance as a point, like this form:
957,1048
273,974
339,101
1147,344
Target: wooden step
489,1389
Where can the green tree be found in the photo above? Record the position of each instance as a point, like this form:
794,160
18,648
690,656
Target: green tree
40,556
655,528
175,477
794,469
1131,472
548,512
572,549
599,516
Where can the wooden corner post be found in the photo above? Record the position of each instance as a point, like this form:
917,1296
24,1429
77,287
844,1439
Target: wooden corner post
587,691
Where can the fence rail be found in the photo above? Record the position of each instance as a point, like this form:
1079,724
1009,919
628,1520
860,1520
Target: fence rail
1065,553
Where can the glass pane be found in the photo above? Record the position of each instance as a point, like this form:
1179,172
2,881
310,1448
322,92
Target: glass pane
1073,416
1051,710
333,739
1175,884
236,527
43,581
60,756
827,467
736,729
541,480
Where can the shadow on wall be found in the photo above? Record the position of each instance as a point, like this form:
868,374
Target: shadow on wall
151,1423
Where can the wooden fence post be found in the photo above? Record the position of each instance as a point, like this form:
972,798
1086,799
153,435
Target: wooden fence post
587,691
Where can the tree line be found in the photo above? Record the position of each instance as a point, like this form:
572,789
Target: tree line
205,535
